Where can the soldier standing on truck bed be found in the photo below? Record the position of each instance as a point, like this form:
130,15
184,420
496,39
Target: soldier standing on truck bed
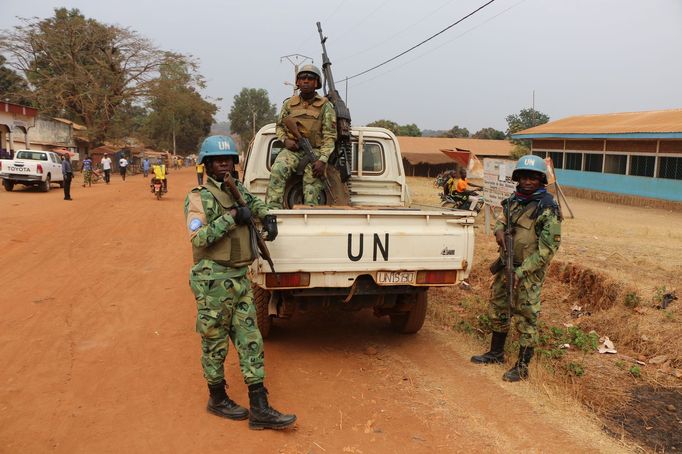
535,235
222,249
317,119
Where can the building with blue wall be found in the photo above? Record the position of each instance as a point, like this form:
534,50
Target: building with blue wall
631,153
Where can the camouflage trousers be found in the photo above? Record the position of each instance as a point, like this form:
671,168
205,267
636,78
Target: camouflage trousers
225,310
87,177
525,309
284,166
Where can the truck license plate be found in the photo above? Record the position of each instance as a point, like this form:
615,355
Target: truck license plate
395,277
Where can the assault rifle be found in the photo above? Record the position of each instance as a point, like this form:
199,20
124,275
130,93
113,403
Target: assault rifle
343,140
309,155
509,257
262,247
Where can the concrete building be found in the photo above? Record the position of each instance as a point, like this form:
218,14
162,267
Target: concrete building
15,122
633,153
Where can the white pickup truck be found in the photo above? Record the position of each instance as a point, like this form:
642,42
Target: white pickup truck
379,252
32,168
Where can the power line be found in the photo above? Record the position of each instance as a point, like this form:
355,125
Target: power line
425,41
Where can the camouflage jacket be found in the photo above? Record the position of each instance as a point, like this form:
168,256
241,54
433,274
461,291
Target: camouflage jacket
206,224
328,127
548,231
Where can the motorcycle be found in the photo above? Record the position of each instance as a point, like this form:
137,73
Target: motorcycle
469,200
157,188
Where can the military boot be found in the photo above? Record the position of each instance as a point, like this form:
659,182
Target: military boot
262,415
520,370
496,353
221,405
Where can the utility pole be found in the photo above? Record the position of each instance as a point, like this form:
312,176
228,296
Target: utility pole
296,60
533,113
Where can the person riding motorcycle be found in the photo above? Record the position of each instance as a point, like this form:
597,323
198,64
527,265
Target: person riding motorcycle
458,188
159,170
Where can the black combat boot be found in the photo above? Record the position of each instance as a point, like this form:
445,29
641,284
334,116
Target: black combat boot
262,415
496,353
221,405
520,370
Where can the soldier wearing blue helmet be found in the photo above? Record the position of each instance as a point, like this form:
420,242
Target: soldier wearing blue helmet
222,248
536,230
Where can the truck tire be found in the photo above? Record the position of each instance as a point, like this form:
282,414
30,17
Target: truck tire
45,185
293,193
261,298
8,184
412,321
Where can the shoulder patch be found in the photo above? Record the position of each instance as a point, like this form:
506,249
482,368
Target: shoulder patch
195,224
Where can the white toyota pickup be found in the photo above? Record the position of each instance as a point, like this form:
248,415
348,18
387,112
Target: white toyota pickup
32,168
379,252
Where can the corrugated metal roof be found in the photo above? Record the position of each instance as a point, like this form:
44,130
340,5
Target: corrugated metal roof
429,149
651,124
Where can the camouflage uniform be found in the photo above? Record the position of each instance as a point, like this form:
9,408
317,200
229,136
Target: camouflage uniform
320,114
537,235
223,293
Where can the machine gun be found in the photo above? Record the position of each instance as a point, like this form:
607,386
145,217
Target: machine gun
308,156
262,247
342,155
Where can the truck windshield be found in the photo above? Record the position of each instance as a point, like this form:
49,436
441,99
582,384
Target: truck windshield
33,155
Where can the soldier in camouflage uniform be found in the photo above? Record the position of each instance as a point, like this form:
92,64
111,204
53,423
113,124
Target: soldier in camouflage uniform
536,222
317,122
223,248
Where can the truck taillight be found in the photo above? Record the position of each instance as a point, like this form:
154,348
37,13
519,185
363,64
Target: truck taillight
274,280
40,169
437,277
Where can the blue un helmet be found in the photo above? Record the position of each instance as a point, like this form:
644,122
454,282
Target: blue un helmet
532,163
218,146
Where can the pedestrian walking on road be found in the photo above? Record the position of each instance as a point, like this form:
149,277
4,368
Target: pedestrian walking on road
122,167
86,170
106,166
222,248
200,173
145,167
535,221
67,172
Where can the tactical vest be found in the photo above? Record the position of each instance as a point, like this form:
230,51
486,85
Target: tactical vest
525,237
234,249
309,116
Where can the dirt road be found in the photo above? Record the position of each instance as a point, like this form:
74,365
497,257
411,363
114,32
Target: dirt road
99,353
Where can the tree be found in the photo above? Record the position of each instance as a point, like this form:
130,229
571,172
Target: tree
456,131
490,134
81,69
179,117
250,111
386,124
13,87
527,118
409,130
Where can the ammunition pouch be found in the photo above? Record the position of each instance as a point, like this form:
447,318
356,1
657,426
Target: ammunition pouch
496,266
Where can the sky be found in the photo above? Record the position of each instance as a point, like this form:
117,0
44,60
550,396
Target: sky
569,57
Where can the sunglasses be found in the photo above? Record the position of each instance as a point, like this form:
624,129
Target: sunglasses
307,77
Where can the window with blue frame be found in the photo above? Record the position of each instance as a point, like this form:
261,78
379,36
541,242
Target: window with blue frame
574,161
594,162
642,166
669,167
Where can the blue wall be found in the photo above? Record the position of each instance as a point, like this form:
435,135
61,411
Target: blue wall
655,188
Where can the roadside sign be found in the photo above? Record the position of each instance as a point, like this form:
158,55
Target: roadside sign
497,182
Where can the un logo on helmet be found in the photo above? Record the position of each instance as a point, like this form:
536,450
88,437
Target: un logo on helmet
223,145
528,162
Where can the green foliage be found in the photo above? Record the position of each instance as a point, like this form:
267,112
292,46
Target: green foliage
484,322
575,369
526,118
490,134
519,150
554,353
13,87
575,336
250,111
632,300
620,364
635,371
659,292
179,117
81,69
456,132
464,327
405,130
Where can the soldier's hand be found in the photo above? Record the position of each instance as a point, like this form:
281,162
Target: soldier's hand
270,227
291,144
242,215
319,168
499,237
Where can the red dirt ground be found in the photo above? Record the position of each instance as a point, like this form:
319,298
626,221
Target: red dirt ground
99,352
